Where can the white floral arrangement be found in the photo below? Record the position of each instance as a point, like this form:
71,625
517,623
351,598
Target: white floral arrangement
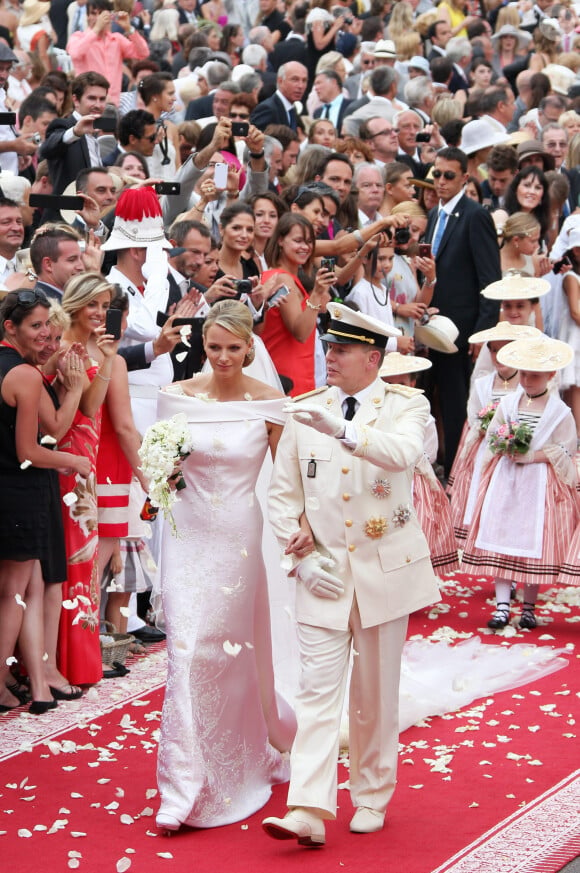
165,444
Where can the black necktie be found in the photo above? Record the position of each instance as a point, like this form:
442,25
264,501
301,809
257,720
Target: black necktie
350,408
292,118
326,111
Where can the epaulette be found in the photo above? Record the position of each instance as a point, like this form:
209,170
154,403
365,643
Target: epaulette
405,390
312,393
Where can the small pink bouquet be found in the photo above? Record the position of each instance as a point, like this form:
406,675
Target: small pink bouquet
485,415
513,438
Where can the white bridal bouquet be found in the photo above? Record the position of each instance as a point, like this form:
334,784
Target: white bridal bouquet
164,445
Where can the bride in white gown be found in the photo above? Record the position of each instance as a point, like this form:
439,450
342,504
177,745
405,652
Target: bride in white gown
223,727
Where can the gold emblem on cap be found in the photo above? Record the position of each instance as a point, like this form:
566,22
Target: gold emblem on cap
337,314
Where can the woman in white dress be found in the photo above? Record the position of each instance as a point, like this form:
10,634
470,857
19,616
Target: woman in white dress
223,728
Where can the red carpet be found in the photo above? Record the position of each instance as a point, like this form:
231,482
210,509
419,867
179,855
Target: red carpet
478,789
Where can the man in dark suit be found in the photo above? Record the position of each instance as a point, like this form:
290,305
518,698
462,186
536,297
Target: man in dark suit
328,87
464,244
70,145
279,109
136,132
216,103
439,34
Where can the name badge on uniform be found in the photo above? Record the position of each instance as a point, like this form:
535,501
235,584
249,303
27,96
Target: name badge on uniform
311,469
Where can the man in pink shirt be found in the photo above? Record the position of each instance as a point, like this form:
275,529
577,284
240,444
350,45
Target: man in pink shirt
98,49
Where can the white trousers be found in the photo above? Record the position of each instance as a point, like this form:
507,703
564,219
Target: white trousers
373,714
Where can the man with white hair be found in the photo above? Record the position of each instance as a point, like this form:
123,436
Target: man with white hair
369,181
364,63
256,57
460,52
263,37
420,95
280,107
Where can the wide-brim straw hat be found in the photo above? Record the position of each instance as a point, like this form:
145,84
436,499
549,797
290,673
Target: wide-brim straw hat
32,12
479,134
516,287
561,78
427,182
396,364
385,48
505,332
438,334
523,38
543,355
531,147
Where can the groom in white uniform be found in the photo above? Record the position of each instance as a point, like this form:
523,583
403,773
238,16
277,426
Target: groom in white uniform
346,459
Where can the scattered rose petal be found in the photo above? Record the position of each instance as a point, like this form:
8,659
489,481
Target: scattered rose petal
19,601
11,660
415,786
244,827
125,611
24,832
69,498
127,819
123,864
180,356
167,855
151,792
73,863
232,649
48,440
25,464
472,805
77,834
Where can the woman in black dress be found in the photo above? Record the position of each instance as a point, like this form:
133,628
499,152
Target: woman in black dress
31,537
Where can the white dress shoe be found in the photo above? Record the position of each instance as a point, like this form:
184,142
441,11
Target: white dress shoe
167,823
367,821
299,824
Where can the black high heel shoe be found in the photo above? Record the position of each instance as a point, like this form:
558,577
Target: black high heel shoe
39,707
20,692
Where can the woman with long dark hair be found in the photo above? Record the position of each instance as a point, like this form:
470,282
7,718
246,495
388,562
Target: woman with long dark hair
528,192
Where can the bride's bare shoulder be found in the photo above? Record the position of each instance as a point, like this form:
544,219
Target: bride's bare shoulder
261,391
190,387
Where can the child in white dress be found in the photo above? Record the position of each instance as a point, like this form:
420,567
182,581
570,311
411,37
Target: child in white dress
528,506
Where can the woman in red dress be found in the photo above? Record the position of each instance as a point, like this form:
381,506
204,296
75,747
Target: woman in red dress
289,329
86,299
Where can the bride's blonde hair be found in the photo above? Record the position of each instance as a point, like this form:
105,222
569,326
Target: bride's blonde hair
235,317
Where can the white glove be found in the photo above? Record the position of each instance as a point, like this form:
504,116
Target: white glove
318,581
316,417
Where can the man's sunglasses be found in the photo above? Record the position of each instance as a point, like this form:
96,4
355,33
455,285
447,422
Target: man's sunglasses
447,174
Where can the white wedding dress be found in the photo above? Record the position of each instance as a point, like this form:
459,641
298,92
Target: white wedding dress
223,726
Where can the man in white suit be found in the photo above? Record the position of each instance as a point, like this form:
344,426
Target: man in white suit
346,459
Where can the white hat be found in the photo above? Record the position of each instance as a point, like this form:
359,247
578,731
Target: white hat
561,78
348,326
32,12
522,37
396,364
318,14
418,62
550,29
385,48
241,70
14,187
438,334
538,355
504,331
516,287
573,234
480,134
138,221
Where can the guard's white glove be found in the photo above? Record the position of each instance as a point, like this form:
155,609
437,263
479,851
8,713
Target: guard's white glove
316,417
319,581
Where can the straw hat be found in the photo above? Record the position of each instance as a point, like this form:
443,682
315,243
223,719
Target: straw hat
438,334
531,147
32,12
542,355
505,332
480,134
561,78
522,37
396,364
427,182
550,29
516,287
138,221
385,48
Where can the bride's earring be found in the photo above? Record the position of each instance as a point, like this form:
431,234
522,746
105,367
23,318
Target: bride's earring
250,355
